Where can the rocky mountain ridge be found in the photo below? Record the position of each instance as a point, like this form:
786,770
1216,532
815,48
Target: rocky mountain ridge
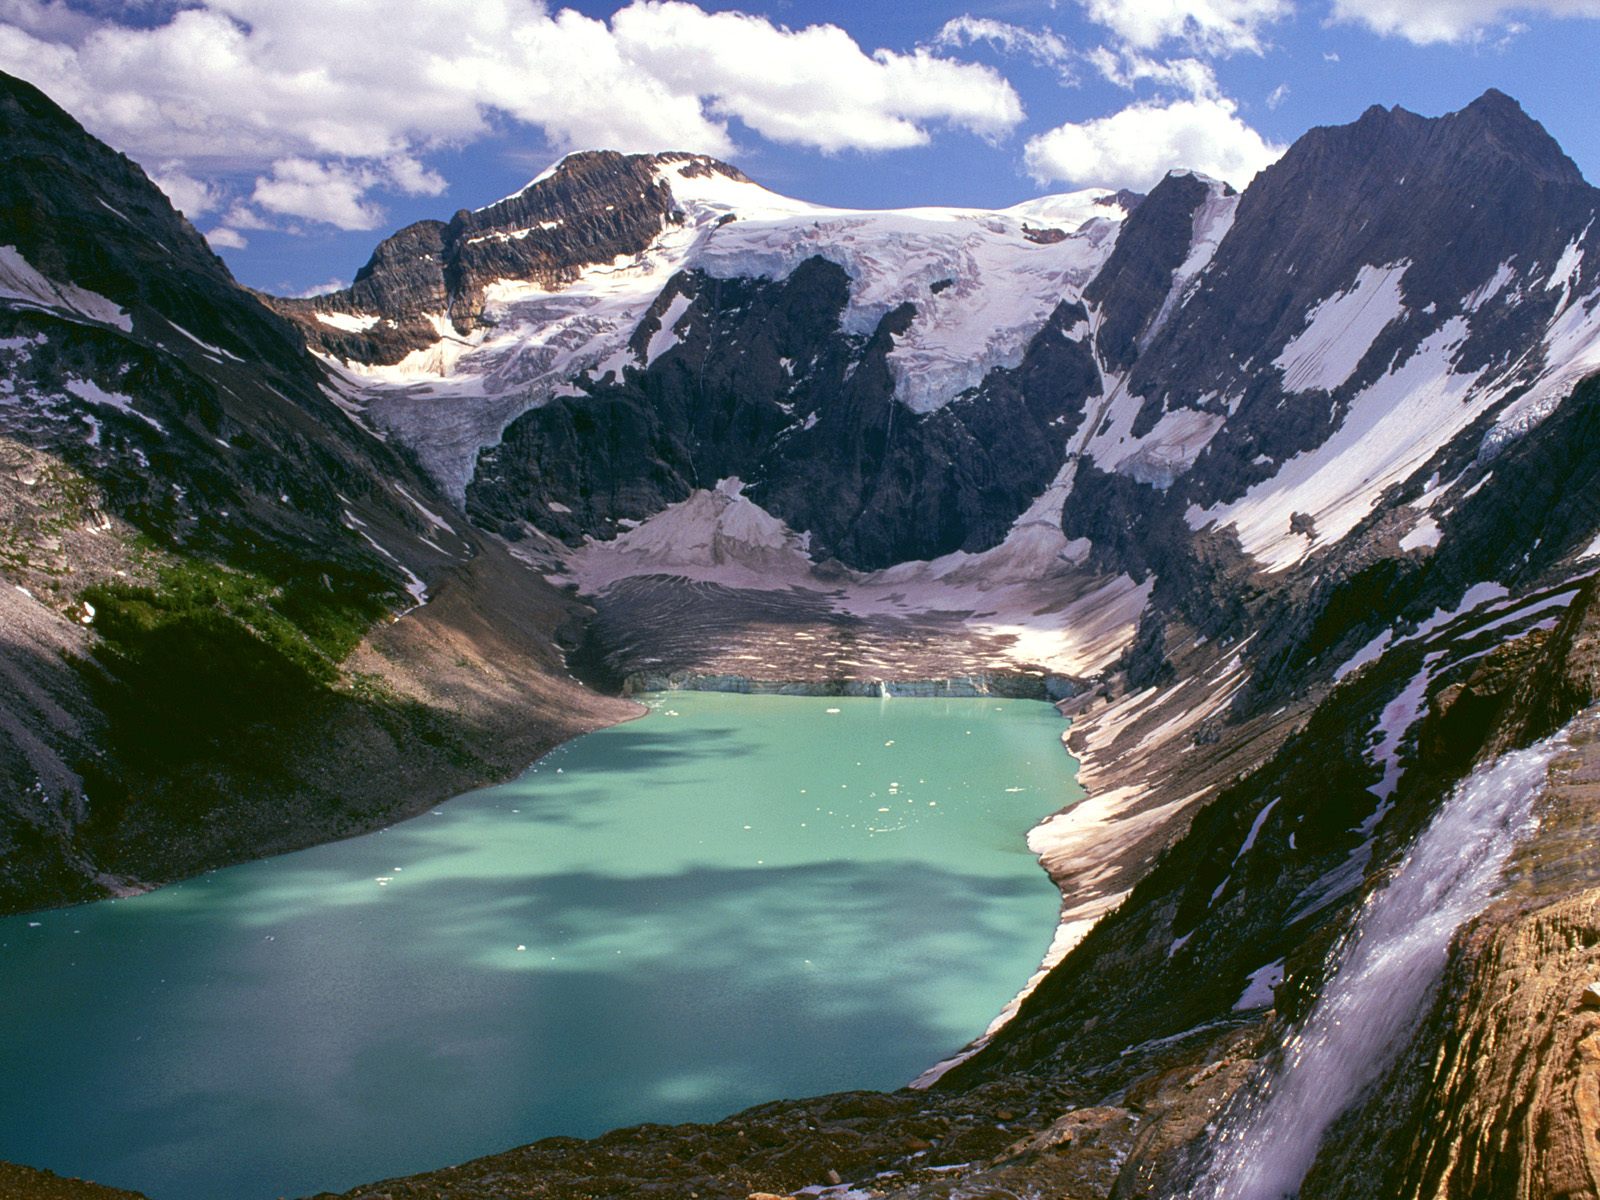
592,208
1189,348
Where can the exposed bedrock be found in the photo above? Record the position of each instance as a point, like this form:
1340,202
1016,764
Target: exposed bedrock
764,384
600,205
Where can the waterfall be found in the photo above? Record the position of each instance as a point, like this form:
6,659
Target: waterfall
1383,971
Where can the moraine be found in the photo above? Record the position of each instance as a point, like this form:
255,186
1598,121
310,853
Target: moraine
737,898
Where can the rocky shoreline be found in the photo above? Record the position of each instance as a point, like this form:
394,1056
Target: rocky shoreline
1007,685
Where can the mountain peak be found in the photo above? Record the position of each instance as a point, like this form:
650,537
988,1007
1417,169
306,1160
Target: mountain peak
585,164
1494,101
1499,122
1491,143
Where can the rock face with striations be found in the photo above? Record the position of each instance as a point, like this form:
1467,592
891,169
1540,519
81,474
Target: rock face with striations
599,205
764,384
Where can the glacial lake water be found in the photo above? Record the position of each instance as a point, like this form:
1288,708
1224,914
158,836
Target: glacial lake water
732,900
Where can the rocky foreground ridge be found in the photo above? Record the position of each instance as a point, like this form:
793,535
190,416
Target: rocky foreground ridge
1294,501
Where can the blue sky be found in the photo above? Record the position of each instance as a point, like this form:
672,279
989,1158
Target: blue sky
296,133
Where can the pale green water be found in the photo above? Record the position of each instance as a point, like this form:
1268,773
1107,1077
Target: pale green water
735,899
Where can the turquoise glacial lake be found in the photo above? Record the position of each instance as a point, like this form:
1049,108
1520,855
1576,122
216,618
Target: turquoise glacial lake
732,900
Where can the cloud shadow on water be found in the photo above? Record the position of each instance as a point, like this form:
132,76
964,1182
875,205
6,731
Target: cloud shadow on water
357,1044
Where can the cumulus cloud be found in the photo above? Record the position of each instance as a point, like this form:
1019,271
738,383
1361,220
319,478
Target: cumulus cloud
1211,26
1193,125
320,191
189,196
223,238
324,103
1135,147
811,86
1043,46
1453,20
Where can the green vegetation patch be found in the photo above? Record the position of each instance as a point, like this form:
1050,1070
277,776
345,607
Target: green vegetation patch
190,664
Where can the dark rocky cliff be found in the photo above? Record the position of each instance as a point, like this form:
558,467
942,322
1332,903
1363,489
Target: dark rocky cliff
764,384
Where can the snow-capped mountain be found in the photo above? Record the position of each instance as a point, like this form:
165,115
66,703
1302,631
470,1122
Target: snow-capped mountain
452,331
1245,360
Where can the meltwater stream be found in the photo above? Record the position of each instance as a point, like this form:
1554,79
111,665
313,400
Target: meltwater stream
734,899
1385,968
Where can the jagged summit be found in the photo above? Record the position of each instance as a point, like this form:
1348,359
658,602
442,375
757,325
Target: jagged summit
1492,130
583,162
591,208
1502,126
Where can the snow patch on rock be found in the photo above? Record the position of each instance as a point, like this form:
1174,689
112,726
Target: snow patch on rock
20,282
1258,992
1391,429
349,322
1571,353
91,392
1212,220
1424,533
1341,329
666,335
1170,448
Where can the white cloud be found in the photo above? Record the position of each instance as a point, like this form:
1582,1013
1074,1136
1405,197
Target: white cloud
1277,96
412,178
241,216
321,289
1453,20
223,238
1135,147
811,86
1212,26
189,196
325,192
1128,68
361,90
1043,46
